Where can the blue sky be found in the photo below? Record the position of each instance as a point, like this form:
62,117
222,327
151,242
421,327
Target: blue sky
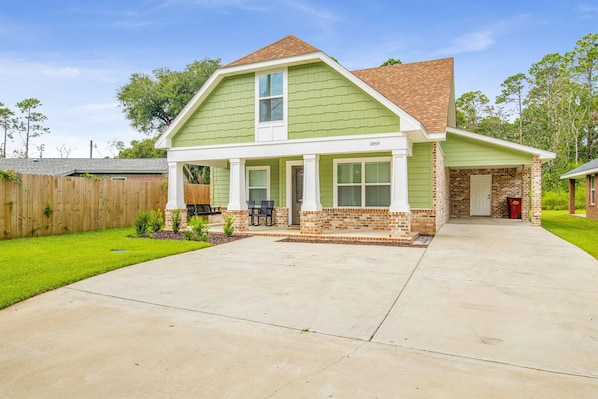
73,55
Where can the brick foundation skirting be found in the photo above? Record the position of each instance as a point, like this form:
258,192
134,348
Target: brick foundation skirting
399,224
355,219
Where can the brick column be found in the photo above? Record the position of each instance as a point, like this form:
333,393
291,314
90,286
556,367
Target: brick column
536,191
525,193
168,219
241,222
399,224
312,222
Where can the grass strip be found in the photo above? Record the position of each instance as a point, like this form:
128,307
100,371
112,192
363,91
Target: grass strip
579,231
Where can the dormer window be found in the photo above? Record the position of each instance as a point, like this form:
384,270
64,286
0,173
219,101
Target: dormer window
271,106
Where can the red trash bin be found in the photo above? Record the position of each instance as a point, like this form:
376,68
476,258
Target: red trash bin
514,207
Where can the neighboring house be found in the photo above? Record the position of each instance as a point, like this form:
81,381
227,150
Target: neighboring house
374,149
588,171
150,169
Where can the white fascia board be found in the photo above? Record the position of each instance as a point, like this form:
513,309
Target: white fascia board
544,155
408,123
286,148
577,175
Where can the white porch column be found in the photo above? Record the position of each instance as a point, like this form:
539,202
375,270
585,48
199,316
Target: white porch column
311,183
236,197
399,196
176,194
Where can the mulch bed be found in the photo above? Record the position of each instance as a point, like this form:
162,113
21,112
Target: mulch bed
215,238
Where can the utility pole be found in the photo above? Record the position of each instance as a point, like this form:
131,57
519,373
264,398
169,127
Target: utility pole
90,149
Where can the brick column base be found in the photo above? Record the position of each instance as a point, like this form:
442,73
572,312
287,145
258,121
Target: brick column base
168,219
399,224
281,217
241,222
312,222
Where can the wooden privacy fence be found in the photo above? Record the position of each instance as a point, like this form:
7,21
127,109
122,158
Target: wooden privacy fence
47,205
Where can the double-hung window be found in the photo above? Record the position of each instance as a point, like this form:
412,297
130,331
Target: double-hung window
258,183
362,183
592,190
271,106
271,97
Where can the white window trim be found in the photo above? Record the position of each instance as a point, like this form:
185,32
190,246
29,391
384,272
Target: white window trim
285,108
363,184
267,169
592,189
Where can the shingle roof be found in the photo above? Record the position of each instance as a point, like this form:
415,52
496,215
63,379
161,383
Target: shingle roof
422,89
70,166
586,169
289,46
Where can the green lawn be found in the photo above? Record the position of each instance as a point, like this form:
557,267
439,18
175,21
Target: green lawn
30,266
580,232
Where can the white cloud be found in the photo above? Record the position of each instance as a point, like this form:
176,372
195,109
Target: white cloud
471,42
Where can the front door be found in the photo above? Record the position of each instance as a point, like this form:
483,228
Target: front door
297,193
480,195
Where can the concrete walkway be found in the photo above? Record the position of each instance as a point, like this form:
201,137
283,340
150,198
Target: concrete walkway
505,311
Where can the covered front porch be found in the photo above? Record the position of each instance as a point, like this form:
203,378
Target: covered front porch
291,175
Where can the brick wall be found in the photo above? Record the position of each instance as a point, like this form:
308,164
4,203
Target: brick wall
506,182
536,189
355,219
281,217
424,221
399,224
441,191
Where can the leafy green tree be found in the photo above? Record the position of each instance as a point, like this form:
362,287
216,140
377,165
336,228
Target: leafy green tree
30,123
392,61
512,92
473,106
139,149
7,123
151,102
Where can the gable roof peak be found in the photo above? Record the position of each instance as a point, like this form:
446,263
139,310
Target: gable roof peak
288,46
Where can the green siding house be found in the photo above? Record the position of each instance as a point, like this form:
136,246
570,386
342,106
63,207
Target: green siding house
374,149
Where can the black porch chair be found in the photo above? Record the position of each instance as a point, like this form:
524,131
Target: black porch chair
265,211
252,212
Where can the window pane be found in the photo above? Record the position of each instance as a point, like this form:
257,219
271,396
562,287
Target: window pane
349,196
258,194
276,84
348,173
377,196
258,178
276,109
271,110
265,86
271,85
377,172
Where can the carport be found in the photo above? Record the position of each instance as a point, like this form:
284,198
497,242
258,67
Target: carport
483,172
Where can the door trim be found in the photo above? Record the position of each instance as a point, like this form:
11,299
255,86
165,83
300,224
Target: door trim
289,188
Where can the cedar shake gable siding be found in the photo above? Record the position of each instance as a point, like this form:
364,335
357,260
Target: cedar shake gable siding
422,89
289,46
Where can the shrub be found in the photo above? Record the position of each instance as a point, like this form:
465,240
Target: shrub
176,220
156,220
188,234
229,227
141,223
200,227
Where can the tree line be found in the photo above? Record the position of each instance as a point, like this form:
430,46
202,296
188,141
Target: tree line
554,107
28,125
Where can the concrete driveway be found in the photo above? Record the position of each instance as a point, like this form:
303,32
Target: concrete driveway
506,311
